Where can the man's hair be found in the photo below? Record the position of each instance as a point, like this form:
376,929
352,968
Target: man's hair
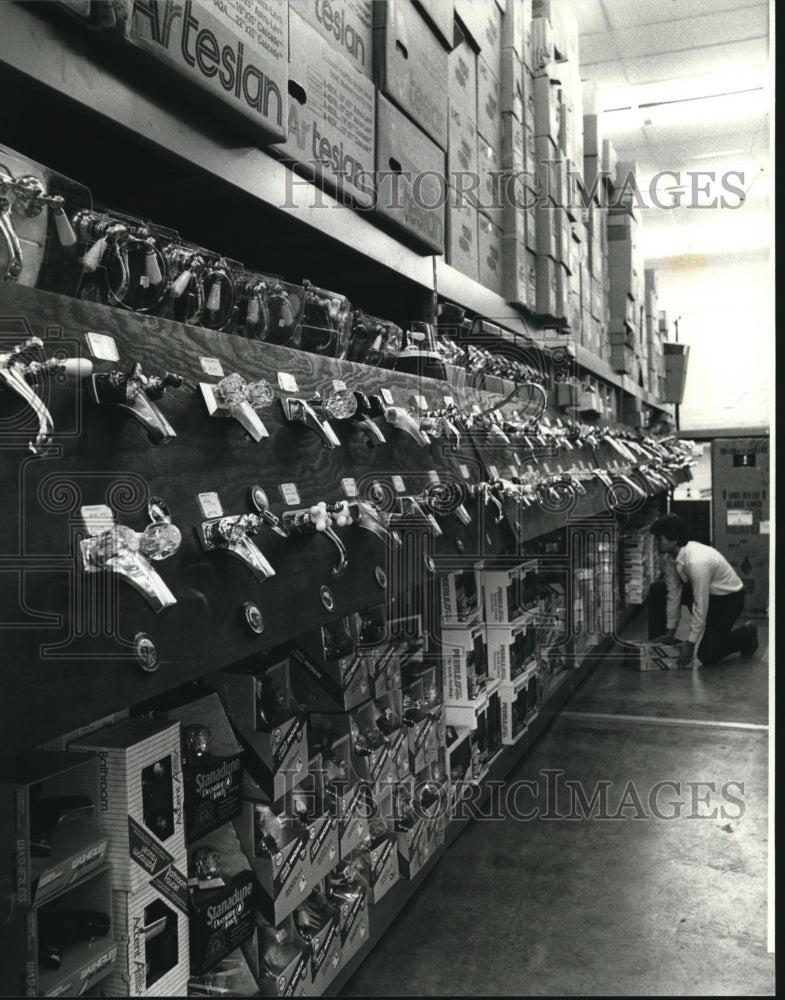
672,527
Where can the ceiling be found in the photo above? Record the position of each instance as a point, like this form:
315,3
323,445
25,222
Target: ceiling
686,86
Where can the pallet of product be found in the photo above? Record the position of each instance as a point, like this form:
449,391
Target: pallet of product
656,656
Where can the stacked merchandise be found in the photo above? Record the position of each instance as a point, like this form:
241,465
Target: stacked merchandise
594,591
653,335
472,703
625,270
511,616
640,563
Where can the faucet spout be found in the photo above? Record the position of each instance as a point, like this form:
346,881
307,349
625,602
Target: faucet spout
116,550
14,379
232,534
298,409
127,390
13,267
370,517
404,421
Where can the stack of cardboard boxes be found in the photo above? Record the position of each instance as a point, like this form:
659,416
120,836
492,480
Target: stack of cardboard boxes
625,271
653,335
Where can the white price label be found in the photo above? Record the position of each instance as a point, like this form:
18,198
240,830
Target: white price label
387,396
433,476
559,467
513,472
449,401
547,468
740,517
210,505
465,471
517,458
765,527
290,495
399,484
102,346
349,487
422,403
212,366
493,471
339,385
287,382
97,518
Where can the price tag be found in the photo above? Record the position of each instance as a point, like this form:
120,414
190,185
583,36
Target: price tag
210,505
349,488
289,493
212,366
559,467
547,468
493,471
339,385
517,458
765,527
387,396
449,401
102,346
287,382
465,471
433,476
513,472
97,518
399,484
422,403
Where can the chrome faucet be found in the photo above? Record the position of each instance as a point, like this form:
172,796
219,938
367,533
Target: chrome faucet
233,397
114,548
138,393
26,365
398,417
232,534
320,519
369,408
343,404
443,499
26,198
296,408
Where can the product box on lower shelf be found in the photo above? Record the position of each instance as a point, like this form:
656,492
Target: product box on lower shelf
519,704
328,674
318,924
347,888
231,976
369,748
461,597
341,790
307,803
464,658
62,948
412,847
276,845
212,765
279,960
222,893
510,650
152,929
267,722
51,834
142,801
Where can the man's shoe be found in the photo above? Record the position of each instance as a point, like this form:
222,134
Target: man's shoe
752,643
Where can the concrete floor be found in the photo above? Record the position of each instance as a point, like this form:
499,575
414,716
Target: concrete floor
631,904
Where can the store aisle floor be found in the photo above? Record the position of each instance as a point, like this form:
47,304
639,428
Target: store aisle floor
665,896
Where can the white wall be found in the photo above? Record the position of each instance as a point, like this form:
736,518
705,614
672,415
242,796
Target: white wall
727,317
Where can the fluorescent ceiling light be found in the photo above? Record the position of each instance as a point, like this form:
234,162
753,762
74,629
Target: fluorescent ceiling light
720,152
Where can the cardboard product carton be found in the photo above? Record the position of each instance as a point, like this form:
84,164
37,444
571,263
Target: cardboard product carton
331,119
491,246
463,249
235,54
439,16
489,100
462,162
410,66
346,24
483,22
142,801
411,182
152,930
318,924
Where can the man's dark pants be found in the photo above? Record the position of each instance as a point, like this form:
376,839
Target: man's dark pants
720,639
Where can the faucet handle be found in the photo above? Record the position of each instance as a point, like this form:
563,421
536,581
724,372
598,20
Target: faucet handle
234,397
320,518
297,409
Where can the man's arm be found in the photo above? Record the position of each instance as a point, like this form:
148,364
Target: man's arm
700,577
674,585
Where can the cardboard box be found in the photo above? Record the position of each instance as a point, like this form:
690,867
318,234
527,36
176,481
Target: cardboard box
656,656
354,921
212,782
235,56
331,121
276,752
222,912
520,273
462,71
142,801
513,155
491,246
43,856
462,150
512,84
461,596
463,248
489,101
346,24
439,16
152,928
402,148
483,21
282,877
24,941
464,663
325,955
410,66
511,650
491,192
383,861
519,704
325,683
293,980
412,849
346,798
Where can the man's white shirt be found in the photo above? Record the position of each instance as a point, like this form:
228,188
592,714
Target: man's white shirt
710,574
